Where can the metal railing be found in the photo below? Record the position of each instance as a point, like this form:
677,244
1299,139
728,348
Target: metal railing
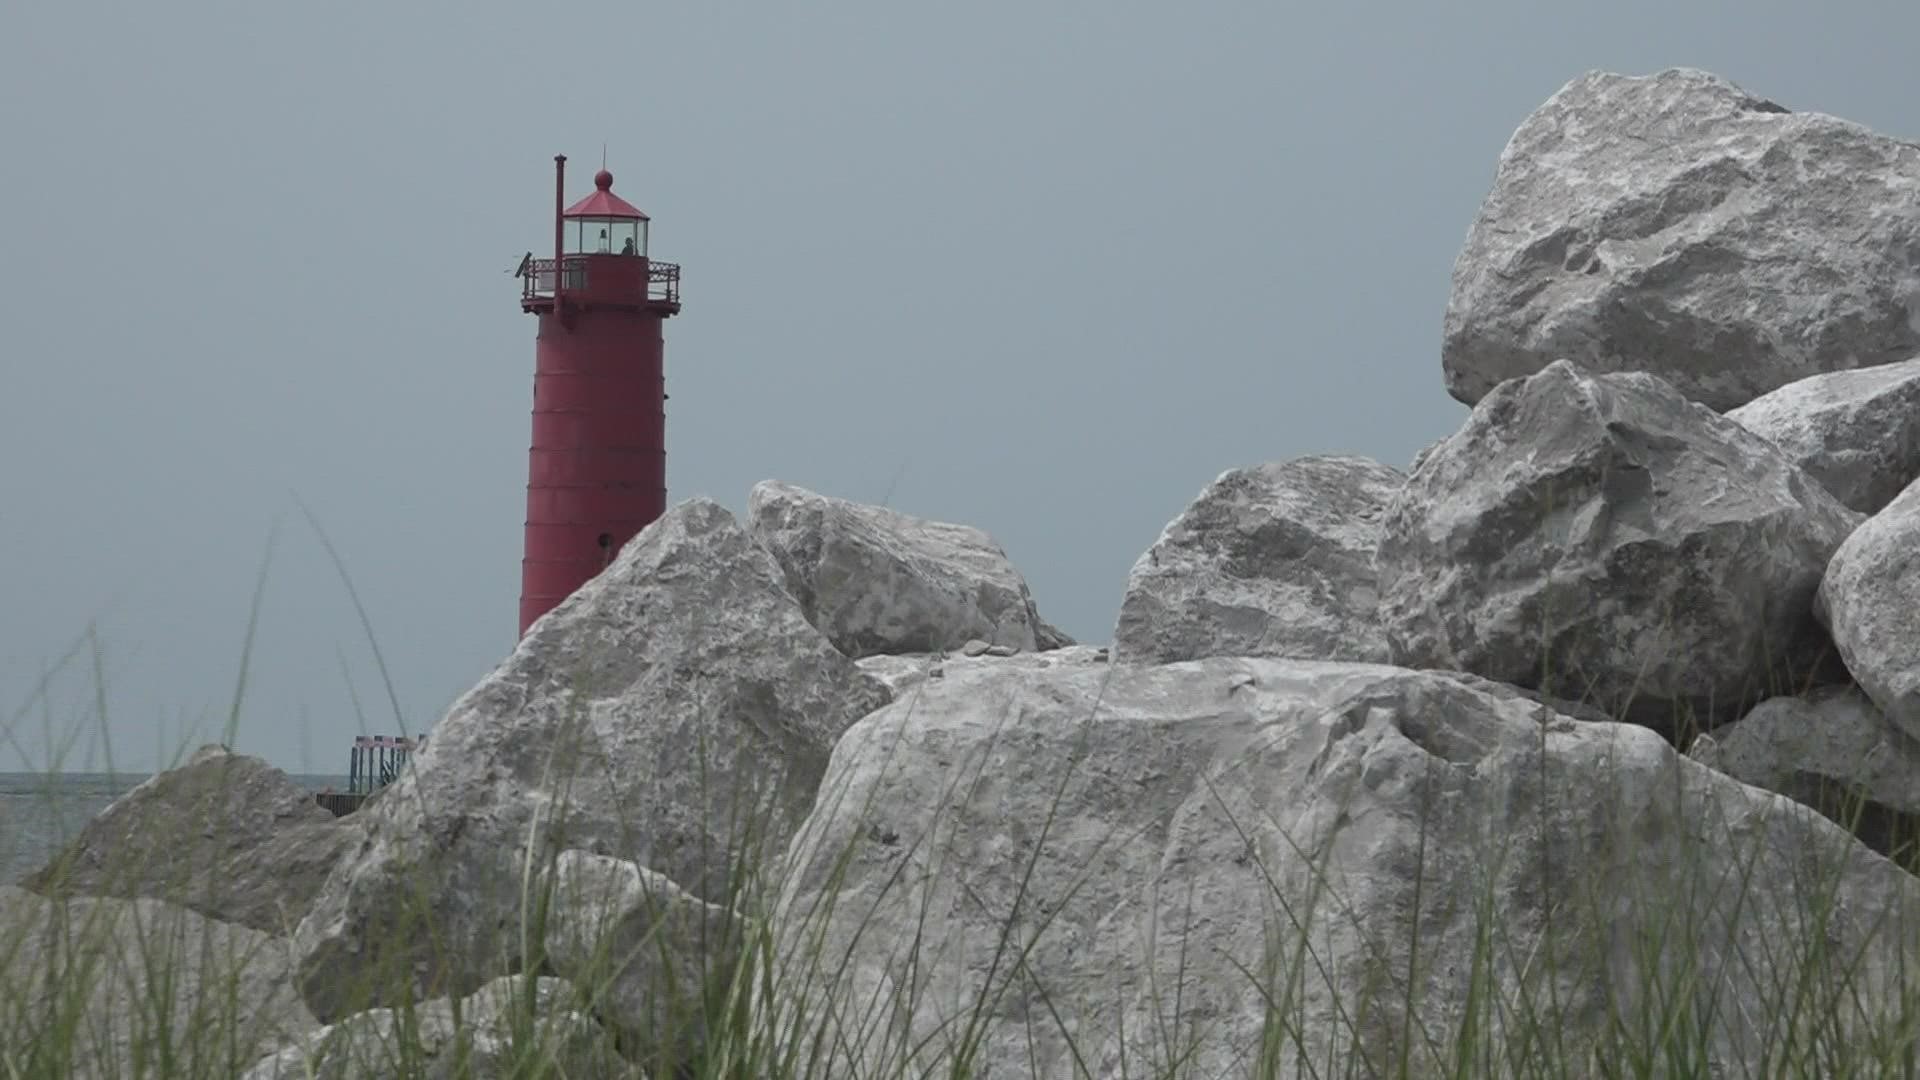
663,278
663,282
376,761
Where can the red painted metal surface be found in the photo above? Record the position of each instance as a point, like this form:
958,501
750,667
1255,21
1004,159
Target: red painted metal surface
603,202
597,466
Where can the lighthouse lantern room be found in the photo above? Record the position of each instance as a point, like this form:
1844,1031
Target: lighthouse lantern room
597,466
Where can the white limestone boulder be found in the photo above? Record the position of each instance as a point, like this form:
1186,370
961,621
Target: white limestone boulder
1318,865
650,958
1603,539
102,987
498,1031
1273,560
1676,224
1870,601
1831,749
225,834
875,580
1857,432
676,711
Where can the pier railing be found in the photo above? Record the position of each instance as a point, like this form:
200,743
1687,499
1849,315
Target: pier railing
376,761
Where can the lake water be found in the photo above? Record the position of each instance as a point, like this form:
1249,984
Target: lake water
39,813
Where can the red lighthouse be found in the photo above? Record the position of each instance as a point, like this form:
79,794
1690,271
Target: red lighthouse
597,467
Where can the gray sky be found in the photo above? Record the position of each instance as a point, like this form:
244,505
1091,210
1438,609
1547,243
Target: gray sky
1042,267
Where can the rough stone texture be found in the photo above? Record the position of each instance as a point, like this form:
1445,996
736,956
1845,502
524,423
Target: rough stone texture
649,954
1423,454
876,580
1676,224
1274,560
137,976
901,674
227,835
481,1045
1170,823
677,711
1578,710
1830,749
1602,539
1857,432
1870,600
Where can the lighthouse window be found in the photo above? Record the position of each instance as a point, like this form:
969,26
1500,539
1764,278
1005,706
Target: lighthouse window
627,238
606,236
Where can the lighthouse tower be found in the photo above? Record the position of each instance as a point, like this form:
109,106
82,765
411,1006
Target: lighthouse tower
597,467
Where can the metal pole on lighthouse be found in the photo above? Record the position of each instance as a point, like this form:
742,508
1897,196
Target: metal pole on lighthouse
559,210
596,468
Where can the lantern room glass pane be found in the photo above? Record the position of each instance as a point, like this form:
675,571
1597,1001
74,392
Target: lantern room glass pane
626,238
604,236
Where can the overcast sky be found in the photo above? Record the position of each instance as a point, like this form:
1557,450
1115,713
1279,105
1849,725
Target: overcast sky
1042,267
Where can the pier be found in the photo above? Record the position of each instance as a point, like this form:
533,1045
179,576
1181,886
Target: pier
373,762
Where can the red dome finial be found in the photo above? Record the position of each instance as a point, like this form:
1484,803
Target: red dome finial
603,180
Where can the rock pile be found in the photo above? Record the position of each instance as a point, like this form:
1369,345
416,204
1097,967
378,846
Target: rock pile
1381,768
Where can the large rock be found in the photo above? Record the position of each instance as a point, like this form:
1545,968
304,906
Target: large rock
1290,868
1601,538
1857,432
226,834
1273,560
498,1031
875,580
1830,749
1676,224
676,711
106,987
654,961
901,674
1870,600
